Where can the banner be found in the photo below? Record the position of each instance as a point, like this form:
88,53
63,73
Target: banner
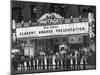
52,30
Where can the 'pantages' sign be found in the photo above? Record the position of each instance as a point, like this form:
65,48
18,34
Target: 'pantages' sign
51,18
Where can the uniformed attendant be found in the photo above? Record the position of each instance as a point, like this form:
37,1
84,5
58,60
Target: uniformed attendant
78,61
59,61
50,62
56,61
35,60
62,55
22,62
14,63
63,61
66,62
27,62
74,62
39,62
73,59
43,62
69,62
84,60
47,62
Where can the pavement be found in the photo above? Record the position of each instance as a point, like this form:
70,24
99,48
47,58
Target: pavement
88,67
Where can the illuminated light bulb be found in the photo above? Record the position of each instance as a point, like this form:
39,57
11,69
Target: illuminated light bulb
93,25
22,22
14,37
34,9
80,17
30,21
71,17
90,17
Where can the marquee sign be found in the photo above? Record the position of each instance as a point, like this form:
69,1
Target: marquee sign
52,30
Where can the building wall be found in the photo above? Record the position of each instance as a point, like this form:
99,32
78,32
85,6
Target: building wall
42,8
39,10
26,13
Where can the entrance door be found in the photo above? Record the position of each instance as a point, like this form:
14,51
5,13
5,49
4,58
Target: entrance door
56,48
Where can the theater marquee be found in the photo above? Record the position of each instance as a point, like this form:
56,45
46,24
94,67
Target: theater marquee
52,30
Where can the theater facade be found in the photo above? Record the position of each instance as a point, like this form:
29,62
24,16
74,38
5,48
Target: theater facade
51,34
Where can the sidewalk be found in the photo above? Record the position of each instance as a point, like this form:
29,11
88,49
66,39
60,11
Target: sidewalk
88,67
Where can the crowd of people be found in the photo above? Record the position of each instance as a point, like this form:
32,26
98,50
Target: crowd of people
72,59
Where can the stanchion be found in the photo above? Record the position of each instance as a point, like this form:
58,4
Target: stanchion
30,65
19,68
25,65
45,63
53,62
37,64
71,63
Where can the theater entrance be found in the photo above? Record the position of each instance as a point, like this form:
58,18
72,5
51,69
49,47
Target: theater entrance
56,48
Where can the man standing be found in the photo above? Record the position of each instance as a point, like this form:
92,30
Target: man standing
47,62
78,60
14,63
56,61
73,59
31,60
22,62
35,60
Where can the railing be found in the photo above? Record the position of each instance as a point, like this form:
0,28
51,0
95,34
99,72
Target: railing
49,64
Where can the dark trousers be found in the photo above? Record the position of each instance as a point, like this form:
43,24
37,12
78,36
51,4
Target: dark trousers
28,66
14,65
74,64
63,63
47,64
32,66
84,64
56,65
35,65
39,64
22,65
69,64
59,64
78,64
43,65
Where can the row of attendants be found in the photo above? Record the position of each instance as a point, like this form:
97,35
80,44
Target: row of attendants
63,61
